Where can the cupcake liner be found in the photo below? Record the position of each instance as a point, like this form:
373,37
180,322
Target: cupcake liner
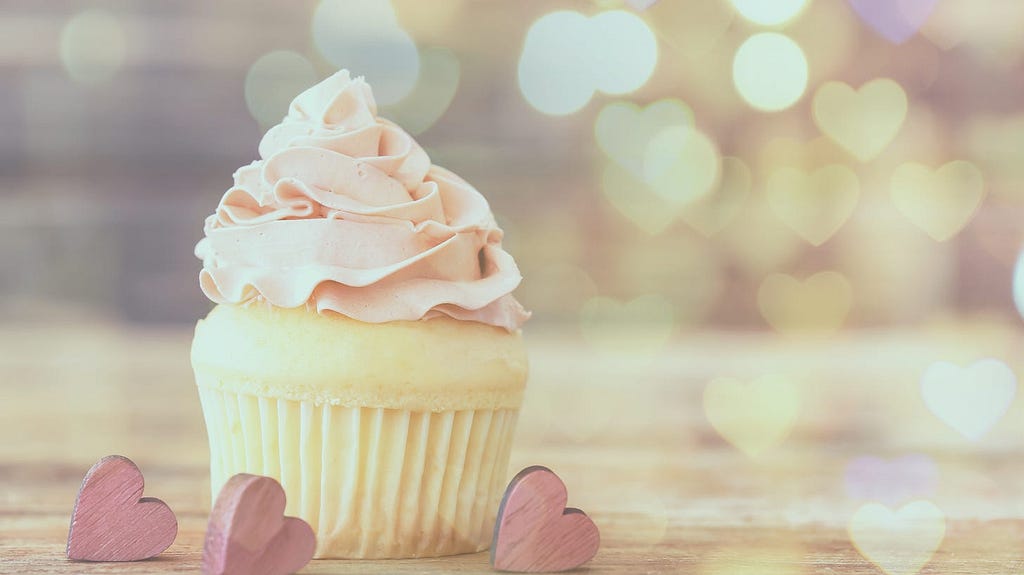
372,482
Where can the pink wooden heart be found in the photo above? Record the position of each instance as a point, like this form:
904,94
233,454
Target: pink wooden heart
248,533
535,532
112,521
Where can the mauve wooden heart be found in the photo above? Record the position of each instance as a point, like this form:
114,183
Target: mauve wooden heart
248,533
535,532
112,521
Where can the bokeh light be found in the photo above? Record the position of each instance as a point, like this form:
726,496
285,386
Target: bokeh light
769,13
832,52
567,57
623,130
554,71
862,121
712,212
815,205
816,305
696,194
273,81
754,416
940,201
631,197
898,541
429,21
624,51
364,37
434,91
971,399
693,32
770,71
681,164
693,192
92,46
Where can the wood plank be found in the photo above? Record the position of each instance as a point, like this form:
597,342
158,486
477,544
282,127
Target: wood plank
627,434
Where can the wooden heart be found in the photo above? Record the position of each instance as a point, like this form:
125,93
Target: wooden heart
248,533
535,532
112,521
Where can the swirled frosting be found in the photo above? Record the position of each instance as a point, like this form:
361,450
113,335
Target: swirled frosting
344,212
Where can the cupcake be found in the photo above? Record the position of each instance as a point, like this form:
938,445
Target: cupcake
365,349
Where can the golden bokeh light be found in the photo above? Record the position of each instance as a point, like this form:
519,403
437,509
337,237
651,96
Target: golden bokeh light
754,416
771,13
692,32
815,204
623,130
834,51
631,197
817,305
941,201
712,212
681,164
271,83
863,121
429,21
770,71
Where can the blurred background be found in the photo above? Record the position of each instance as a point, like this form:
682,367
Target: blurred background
739,220
790,165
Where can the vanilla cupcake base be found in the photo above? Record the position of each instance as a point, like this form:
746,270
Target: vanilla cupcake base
372,482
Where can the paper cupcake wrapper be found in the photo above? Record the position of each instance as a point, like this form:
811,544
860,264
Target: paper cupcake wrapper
373,483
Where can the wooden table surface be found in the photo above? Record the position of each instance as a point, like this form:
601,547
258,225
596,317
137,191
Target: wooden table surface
626,431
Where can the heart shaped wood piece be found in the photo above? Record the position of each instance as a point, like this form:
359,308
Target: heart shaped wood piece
248,533
112,521
535,532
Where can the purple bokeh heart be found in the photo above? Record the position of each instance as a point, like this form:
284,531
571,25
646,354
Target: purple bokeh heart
895,20
891,481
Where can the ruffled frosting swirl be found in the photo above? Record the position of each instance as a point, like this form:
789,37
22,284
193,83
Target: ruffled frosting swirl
346,213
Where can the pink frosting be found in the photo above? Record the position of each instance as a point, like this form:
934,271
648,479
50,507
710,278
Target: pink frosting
345,213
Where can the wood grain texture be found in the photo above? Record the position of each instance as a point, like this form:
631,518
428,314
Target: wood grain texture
535,532
112,521
626,434
248,533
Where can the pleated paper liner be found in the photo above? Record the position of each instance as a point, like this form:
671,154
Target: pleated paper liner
372,482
